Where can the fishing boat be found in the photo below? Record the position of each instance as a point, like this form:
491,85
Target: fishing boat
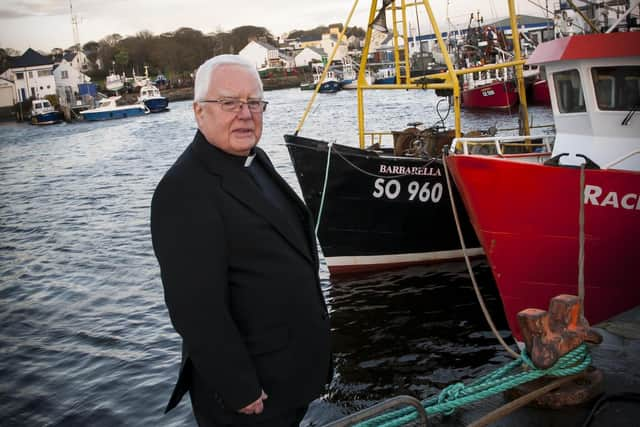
379,207
152,99
492,88
109,109
330,80
114,82
567,219
43,113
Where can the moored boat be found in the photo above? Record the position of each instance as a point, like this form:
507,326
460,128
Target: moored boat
150,96
527,214
114,82
43,113
109,109
492,94
379,207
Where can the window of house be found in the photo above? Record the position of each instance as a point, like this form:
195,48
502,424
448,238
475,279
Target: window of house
64,74
43,73
30,74
569,91
20,76
617,88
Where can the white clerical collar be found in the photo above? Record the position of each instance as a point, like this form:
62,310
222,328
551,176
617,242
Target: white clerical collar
250,158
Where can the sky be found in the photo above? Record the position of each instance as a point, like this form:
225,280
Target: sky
46,24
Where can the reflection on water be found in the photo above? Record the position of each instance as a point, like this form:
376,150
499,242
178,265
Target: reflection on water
412,331
85,338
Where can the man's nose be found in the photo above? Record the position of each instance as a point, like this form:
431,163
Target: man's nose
244,111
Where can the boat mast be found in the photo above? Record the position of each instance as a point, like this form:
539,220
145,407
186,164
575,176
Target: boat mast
515,36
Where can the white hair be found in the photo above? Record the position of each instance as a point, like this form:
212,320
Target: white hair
205,71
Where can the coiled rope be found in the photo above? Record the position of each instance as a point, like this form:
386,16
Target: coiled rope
504,378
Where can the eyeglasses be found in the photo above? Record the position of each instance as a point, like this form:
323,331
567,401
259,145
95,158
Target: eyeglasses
235,105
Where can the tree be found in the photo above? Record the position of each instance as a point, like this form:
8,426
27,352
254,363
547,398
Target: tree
240,36
121,57
91,50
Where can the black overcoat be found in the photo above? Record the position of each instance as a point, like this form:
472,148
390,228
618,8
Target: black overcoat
240,282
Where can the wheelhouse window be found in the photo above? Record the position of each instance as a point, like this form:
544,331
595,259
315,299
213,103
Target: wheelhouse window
617,88
569,91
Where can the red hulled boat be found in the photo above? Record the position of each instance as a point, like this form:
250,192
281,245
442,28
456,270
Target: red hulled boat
526,213
498,94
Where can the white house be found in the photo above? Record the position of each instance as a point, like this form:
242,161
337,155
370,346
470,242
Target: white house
7,93
329,41
32,75
66,75
262,54
309,54
78,60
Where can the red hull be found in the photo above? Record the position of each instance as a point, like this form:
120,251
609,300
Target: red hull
526,216
540,93
498,95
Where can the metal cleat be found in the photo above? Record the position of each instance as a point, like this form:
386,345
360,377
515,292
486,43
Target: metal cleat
550,335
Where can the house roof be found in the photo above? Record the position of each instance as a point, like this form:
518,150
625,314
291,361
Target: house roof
30,58
317,50
69,56
588,46
266,45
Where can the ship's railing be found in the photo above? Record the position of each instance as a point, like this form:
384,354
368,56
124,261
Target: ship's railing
501,145
379,138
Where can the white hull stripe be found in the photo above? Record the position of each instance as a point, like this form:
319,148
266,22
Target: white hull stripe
339,261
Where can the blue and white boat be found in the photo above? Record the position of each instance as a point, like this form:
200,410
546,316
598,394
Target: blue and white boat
151,98
108,109
43,113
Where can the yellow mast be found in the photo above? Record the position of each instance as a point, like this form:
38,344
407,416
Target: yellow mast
515,35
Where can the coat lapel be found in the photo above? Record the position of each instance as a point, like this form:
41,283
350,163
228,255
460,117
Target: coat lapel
239,184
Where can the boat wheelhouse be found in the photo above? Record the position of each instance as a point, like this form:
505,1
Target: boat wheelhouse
553,223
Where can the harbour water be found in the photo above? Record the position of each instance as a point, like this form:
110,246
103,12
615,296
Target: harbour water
85,337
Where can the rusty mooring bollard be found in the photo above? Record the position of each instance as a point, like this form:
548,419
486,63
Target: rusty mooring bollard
549,336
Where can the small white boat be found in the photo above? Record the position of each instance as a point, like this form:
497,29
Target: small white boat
108,109
43,113
114,82
151,98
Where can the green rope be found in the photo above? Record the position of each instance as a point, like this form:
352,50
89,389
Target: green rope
504,378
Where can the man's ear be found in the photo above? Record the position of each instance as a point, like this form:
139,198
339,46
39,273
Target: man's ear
197,110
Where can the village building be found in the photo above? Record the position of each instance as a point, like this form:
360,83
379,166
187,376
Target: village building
310,55
7,97
266,56
32,75
330,40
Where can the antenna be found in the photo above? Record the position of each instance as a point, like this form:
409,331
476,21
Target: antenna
74,27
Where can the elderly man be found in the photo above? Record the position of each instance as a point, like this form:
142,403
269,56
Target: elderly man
239,265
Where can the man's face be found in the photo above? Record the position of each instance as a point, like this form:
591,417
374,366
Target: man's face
235,132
